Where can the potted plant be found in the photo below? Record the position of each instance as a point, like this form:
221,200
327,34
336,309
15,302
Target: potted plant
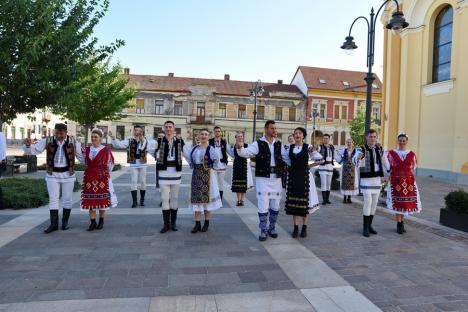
455,213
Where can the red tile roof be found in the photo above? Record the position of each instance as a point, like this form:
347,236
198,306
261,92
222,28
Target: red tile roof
334,79
221,86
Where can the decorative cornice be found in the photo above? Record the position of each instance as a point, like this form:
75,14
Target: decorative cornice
412,30
461,4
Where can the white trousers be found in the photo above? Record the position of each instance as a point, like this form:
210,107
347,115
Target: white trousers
265,203
138,178
220,179
370,204
53,187
169,191
325,181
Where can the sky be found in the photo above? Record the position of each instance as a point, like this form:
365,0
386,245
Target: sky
248,39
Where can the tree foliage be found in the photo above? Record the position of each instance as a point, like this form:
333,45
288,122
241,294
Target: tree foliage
45,45
102,94
357,128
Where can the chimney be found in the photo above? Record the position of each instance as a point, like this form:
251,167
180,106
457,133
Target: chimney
127,71
280,81
227,77
171,75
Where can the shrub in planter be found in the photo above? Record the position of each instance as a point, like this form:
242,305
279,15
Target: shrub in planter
455,214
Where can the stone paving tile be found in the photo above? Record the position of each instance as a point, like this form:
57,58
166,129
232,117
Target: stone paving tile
7,218
412,272
129,258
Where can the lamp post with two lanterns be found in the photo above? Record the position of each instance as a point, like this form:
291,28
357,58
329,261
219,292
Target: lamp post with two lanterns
397,23
257,90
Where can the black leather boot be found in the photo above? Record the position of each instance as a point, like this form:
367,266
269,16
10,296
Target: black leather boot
399,227
166,215
100,224
142,198
53,222
328,197
173,219
205,226
92,225
371,229
344,199
365,226
349,199
295,233
197,227
65,218
403,226
324,197
134,199
304,231
221,194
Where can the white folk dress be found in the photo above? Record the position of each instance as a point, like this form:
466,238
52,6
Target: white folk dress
198,157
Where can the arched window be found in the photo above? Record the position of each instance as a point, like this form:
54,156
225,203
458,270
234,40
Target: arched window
442,45
335,138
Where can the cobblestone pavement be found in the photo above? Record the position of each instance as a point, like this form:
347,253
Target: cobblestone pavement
129,266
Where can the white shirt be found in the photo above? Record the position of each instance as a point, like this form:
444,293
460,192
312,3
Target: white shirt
3,146
219,165
252,150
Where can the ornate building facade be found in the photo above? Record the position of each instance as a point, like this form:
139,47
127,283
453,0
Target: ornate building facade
426,86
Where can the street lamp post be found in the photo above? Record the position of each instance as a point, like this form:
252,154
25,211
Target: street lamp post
315,114
257,90
396,23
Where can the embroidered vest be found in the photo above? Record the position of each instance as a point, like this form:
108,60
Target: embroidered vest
163,152
368,171
263,160
224,157
324,153
69,153
132,151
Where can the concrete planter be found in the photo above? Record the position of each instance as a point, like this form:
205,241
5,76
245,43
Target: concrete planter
458,221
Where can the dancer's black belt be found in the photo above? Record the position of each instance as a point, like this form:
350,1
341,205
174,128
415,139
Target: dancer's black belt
171,163
60,169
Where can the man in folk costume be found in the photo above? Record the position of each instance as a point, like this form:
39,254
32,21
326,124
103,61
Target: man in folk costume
349,173
268,172
168,154
137,149
372,163
220,146
402,190
160,136
326,168
61,151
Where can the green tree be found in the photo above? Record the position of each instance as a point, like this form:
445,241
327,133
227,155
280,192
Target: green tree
44,45
357,128
102,94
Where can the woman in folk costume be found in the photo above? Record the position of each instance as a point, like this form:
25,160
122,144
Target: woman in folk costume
284,179
204,196
242,179
97,191
402,191
301,194
349,172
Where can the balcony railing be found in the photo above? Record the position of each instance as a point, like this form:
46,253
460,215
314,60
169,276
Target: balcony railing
201,120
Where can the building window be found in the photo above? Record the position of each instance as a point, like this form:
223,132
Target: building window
343,138
21,133
222,110
376,114
442,54
241,114
13,132
140,106
201,109
335,138
158,107
156,131
178,108
120,132
346,83
292,114
322,81
278,113
340,111
261,112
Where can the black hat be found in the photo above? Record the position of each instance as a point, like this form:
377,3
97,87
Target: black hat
61,126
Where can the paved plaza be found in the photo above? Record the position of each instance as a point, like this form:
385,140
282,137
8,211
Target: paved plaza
129,266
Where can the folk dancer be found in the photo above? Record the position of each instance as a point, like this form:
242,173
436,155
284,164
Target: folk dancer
402,190
268,172
97,191
137,148
326,168
160,136
349,172
204,196
284,179
372,163
168,154
220,146
301,194
61,150
242,179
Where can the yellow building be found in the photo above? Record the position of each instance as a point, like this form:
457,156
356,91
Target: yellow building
426,86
